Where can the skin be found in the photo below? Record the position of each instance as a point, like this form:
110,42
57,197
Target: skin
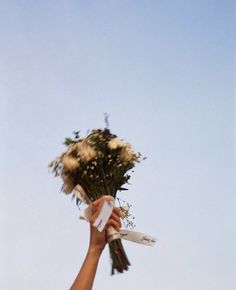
86,275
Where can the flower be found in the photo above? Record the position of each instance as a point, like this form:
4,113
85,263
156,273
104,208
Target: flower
85,151
69,162
114,143
127,154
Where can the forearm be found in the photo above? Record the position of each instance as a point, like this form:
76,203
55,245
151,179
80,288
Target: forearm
85,278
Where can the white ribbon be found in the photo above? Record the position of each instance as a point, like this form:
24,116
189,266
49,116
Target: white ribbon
128,235
137,237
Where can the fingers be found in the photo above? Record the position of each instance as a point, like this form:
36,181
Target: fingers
114,219
93,218
116,225
97,204
116,210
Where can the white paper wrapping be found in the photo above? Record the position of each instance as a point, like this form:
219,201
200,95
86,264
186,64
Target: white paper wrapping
80,193
104,215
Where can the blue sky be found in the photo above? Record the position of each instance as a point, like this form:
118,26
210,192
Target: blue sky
164,72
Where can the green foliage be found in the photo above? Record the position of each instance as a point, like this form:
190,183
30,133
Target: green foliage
69,141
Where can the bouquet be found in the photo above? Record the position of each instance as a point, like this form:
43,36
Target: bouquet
98,163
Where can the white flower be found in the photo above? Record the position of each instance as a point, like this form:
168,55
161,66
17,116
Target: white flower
85,151
127,154
116,142
69,162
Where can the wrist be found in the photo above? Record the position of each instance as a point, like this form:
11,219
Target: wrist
95,251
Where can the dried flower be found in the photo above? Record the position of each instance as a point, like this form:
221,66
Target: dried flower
127,154
114,143
85,151
69,162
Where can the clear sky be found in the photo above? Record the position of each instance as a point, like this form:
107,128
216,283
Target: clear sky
164,72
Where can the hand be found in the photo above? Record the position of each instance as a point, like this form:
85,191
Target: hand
85,278
98,239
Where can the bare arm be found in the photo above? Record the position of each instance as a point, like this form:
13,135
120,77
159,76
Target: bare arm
85,278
